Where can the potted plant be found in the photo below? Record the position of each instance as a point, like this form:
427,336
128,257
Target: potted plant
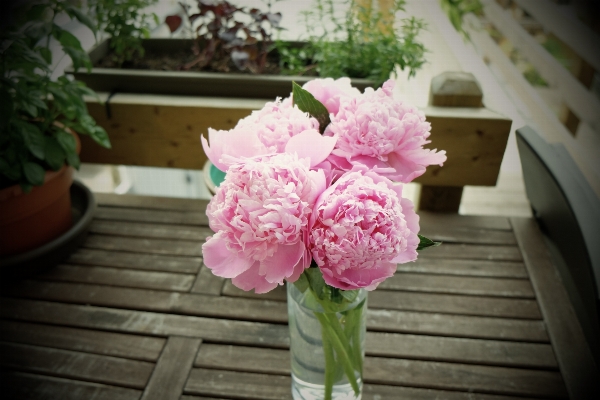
232,52
38,146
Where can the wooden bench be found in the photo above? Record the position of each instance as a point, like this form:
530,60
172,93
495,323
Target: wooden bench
164,131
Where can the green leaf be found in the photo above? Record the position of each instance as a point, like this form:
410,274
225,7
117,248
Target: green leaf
72,47
33,138
55,155
34,173
84,19
349,295
73,160
46,54
66,141
12,172
6,108
316,282
425,243
302,283
306,102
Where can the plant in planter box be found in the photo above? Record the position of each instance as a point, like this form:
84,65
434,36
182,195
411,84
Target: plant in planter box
126,23
227,37
39,114
361,43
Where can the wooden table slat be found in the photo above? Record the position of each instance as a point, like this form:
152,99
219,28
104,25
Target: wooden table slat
173,367
206,282
455,234
461,251
145,245
150,230
459,285
435,221
197,218
472,378
150,202
105,343
231,384
577,365
275,311
75,365
146,262
140,322
483,268
120,277
40,387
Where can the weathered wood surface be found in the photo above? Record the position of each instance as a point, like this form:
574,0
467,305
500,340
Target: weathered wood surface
135,314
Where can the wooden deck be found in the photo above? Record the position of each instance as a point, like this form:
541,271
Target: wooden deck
133,314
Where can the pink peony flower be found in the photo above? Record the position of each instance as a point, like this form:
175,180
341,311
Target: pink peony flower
277,128
383,134
361,227
330,92
261,213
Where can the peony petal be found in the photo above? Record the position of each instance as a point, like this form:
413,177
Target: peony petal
311,144
281,264
250,279
220,260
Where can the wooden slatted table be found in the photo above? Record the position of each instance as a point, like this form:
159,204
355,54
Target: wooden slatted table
134,314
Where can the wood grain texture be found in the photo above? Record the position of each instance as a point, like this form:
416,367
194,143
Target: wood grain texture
459,285
455,304
154,324
231,384
148,262
208,283
572,351
76,365
172,369
456,325
150,202
483,268
472,378
156,216
150,230
144,245
453,234
39,387
120,277
461,251
164,135
474,140
105,343
435,221
152,300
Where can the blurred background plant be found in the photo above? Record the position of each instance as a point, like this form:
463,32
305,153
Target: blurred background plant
34,109
224,33
457,9
360,43
126,23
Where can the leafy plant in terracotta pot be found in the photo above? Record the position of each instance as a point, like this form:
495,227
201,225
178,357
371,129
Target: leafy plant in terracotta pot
39,115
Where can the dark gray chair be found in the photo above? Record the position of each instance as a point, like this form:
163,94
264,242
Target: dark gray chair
568,213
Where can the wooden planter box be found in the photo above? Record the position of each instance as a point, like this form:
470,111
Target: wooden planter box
188,83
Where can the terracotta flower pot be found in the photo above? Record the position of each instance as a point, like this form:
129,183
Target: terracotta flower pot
29,220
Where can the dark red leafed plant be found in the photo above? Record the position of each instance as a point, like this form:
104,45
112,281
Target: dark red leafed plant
226,34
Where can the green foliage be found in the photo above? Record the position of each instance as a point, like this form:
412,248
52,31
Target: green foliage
306,102
457,9
34,109
358,44
126,23
425,243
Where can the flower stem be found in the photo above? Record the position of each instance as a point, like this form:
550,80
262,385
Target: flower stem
329,364
340,344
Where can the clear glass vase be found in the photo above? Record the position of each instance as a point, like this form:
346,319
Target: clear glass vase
327,346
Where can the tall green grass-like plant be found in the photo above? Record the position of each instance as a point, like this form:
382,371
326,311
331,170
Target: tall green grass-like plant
34,108
357,44
126,22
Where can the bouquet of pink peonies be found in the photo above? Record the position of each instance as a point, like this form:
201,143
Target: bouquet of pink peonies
313,197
